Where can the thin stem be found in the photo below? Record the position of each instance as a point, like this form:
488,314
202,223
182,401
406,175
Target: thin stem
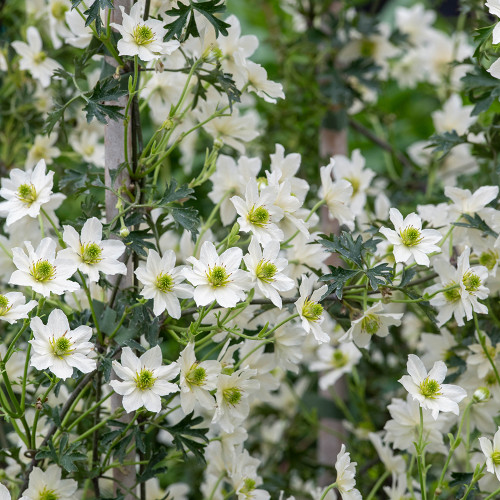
323,496
420,448
482,341
377,485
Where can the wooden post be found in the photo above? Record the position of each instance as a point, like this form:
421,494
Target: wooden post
114,140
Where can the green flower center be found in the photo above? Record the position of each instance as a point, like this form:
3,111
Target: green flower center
471,281
197,375
91,253
259,216
262,181
495,457
367,48
218,276
46,494
61,347
232,396
490,379
249,486
430,388
145,379
27,193
312,310
4,305
266,270
164,282
488,259
370,324
58,10
143,35
452,295
355,182
43,271
339,359
40,57
410,236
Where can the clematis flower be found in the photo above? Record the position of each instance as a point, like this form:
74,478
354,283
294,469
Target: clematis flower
90,253
428,389
163,283
34,59
346,470
142,38
49,485
491,450
13,307
266,268
60,349
409,239
26,192
144,379
217,277
42,270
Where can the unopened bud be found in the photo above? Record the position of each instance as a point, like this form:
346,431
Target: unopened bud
168,124
159,66
481,395
124,232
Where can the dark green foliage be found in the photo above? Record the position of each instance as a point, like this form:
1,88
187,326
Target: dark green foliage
93,13
65,456
105,90
186,438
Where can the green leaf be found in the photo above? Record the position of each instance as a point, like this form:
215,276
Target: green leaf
186,18
188,218
476,223
407,276
93,13
186,438
173,193
153,468
444,143
379,275
137,241
345,245
482,36
104,90
338,277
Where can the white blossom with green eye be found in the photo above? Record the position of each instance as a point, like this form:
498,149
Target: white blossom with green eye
58,348
142,38
373,322
26,193
13,306
258,213
265,268
464,288
48,485
90,253
163,283
410,241
310,310
42,270
217,277
491,450
428,388
144,379
197,379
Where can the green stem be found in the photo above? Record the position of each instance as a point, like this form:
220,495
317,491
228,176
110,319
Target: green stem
37,413
420,448
482,341
377,485
495,494
323,496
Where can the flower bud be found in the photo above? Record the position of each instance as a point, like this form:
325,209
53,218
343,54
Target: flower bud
124,232
481,395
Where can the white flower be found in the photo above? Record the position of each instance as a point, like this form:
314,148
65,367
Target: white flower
258,213
393,463
34,59
428,389
310,311
454,116
79,35
90,253
463,299
42,270
49,485
409,239
266,270
373,322
145,379
87,144
258,83
217,277
232,396
26,192
13,307
142,38
197,379
335,362
337,196
163,283
480,359
4,493
43,149
346,470
244,478
491,451
465,202
60,349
